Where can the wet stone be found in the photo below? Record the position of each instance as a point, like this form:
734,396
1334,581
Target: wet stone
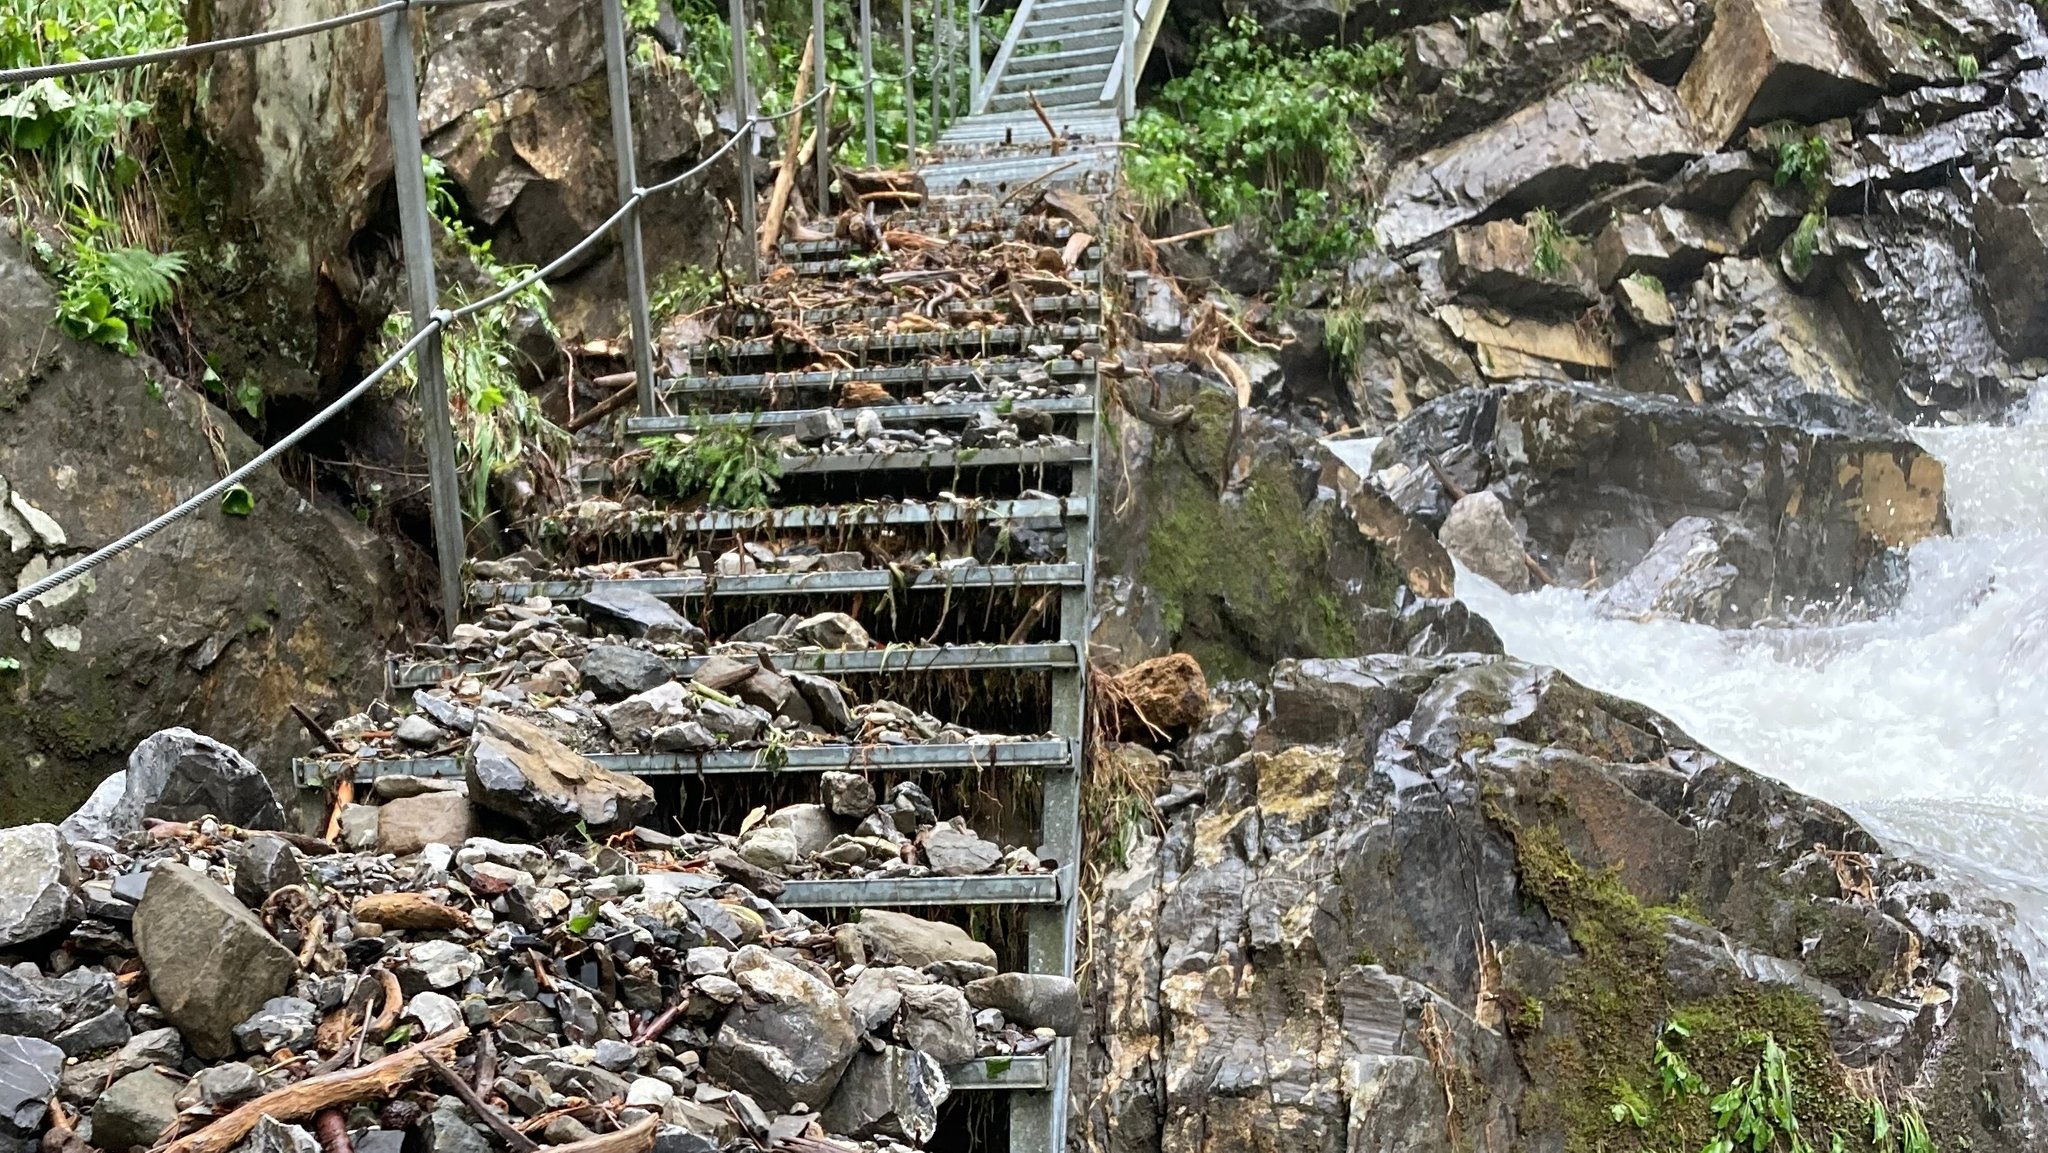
28,1076
267,865
282,1023
848,794
134,1110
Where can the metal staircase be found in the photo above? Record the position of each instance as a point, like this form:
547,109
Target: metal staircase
941,372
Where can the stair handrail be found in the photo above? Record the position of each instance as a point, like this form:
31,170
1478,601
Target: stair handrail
1142,21
994,80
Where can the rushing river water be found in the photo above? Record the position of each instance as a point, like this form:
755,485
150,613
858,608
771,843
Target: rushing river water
1930,724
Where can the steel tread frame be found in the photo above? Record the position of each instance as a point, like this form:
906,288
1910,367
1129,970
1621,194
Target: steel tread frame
774,420
927,757
1050,656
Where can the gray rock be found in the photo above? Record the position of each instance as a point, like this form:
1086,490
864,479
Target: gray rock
218,1088
730,723
832,631
764,628
827,702
641,614
29,1068
38,883
876,996
439,964
817,425
448,1130
767,690
359,828
517,769
32,1005
954,850
103,1030
408,825
916,942
713,1126
848,794
936,1019
1030,1000
419,732
135,1110
1767,59
907,796
446,713
811,825
211,963
267,864
773,848
1479,534
435,1012
179,775
617,1056
788,1043
273,1136
282,1023
104,818
1684,575
688,737
633,719
615,672
895,1093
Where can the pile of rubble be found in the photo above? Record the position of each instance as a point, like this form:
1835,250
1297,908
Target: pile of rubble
829,431
182,981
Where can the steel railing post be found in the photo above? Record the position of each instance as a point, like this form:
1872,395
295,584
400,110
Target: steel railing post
909,89
820,77
867,74
416,228
973,55
631,251
743,116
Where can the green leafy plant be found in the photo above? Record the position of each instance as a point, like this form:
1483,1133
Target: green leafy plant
1757,1111
1606,68
726,467
1266,132
10,664
497,422
1805,242
1802,160
1967,68
238,501
681,290
1550,246
1629,1108
1674,1074
1913,1135
74,161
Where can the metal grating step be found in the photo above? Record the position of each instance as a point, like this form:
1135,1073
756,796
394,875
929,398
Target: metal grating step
849,268
1066,61
1072,303
319,772
1028,1072
780,420
894,513
1049,657
775,382
1026,456
1077,91
790,584
835,246
952,340
880,892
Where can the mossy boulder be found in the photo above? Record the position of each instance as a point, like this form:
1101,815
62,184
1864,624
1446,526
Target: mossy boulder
1463,902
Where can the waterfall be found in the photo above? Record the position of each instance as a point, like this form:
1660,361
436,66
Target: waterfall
1930,724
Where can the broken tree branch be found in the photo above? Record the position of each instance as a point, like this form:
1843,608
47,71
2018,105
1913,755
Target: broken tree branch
638,1139
314,727
785,178
495,1120
308,1097
609,404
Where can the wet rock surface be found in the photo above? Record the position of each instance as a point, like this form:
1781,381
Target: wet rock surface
1290,955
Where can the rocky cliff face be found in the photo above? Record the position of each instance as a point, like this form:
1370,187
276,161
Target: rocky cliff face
220,623
1461,902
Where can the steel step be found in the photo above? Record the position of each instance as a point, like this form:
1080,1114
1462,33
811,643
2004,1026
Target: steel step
846,268
1039,63
750,321
1025,456
893,513
1077,91
950,340
880,892
1080,32
780,420
789,584
838,246
1029,1072
1055,656
777,382
319,772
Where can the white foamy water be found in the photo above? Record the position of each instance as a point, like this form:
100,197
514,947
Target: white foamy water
1930,724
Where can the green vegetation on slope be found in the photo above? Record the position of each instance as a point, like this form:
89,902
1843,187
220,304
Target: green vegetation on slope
1265,135
76,157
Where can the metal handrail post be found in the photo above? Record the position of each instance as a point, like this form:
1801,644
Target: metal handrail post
867,74
630,248
743,115
1127,96
409,174
820,77
909,89
973,54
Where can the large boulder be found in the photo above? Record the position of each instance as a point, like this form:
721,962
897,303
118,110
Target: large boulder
514,104
38,883
1595,476
515,768
179,775
2010,216
916,942
1289,959
211,963
214,624
1552,152
1769,59
895,1093
788,1043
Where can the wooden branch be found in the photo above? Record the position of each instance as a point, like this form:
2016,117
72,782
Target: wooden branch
308,1097
608,405
638,1139
1058,145
1041,178
313,726
1197,234
519,1142
785,178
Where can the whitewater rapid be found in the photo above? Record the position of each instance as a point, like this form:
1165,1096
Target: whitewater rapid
1930,724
